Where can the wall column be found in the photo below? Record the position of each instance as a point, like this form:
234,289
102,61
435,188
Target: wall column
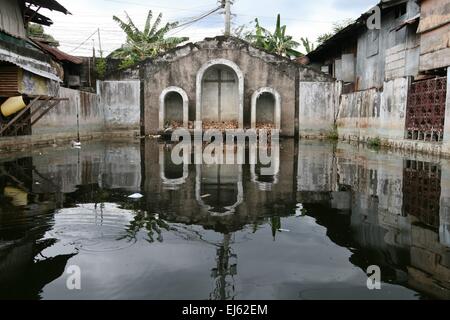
447,116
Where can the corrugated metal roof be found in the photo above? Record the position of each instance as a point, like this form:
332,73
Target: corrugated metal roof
58,54
49,4
33,16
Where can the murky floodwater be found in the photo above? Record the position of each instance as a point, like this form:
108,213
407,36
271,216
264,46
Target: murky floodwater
310,231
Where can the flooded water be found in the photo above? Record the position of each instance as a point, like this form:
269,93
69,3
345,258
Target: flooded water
310,231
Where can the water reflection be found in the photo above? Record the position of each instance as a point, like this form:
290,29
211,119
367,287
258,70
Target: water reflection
308,230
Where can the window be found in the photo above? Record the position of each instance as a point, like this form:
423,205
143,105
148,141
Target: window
400,10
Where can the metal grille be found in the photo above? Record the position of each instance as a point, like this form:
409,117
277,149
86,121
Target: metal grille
422,191
426,110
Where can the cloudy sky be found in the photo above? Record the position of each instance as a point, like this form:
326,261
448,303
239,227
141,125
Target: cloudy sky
304,18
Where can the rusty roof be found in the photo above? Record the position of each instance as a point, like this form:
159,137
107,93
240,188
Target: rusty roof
49,4
57,54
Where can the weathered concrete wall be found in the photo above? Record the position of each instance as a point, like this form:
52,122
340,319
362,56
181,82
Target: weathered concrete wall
371,114
81,113
121,103
317,107
260,69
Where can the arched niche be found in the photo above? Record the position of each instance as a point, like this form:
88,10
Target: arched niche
214,89
265,102
173,103
265,182
172,175
219,189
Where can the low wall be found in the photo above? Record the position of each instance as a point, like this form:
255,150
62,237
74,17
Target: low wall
374,114
82,113
121,104
114,111
318,102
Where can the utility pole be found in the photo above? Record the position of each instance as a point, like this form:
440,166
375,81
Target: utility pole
227,5
100,43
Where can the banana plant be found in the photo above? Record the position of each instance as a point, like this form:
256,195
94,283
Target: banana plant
150,42
277,42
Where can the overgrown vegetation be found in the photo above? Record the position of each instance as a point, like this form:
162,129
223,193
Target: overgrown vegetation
100,68
278,42
333,134
307,44
374,143
148,43
337,27
36,31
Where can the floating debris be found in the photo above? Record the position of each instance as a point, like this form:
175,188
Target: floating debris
205,196
284,230
136,196
76,144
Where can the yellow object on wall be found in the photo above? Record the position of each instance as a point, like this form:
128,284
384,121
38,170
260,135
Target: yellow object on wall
19,197
12,105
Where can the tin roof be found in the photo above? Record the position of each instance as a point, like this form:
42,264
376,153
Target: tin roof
49,4
57,54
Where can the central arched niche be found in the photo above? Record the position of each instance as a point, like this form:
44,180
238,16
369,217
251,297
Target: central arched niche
219,188
220,93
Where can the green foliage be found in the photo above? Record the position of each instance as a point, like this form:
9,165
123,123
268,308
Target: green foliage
36,31
144,44
374,143
333,134
324,37
277,42
100,68
337,27
307,44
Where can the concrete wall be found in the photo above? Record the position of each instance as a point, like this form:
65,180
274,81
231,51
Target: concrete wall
371,113
318,103
121,103
180,67
115,108
82,112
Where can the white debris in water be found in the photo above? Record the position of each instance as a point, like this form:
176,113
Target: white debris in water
284,230
136,196
205,196
76,144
